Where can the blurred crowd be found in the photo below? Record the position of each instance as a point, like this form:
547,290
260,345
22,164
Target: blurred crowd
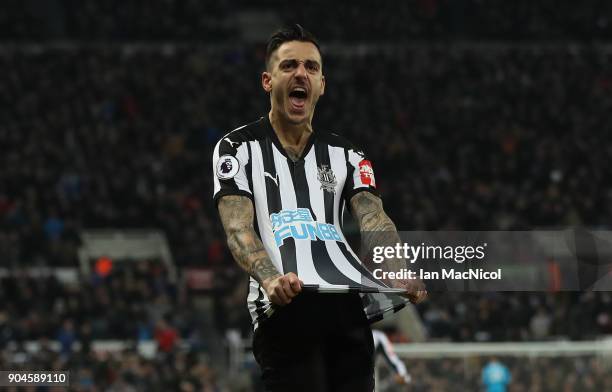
159,20
466,137
559,374
226,21
113,139
472,138
121,371
134,304
136,301
520,316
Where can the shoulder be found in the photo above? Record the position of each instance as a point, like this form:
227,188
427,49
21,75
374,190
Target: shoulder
354,153
335,139
378,339
244,133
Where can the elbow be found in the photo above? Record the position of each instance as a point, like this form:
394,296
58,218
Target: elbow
378,221
232,237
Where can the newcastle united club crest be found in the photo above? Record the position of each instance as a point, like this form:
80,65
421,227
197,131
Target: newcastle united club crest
327,178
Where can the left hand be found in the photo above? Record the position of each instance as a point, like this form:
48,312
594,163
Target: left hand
414,289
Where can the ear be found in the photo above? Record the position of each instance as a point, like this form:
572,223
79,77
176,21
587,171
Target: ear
266,81
322,85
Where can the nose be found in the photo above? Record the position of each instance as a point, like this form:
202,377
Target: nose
300,71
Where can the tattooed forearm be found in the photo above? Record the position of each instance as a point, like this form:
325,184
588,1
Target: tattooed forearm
368,210
378,230
237,217
375,226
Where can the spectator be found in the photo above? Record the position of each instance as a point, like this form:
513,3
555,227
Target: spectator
496,376
66,336
540,324
166,336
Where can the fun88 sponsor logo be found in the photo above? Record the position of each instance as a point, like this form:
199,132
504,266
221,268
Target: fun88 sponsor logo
298,224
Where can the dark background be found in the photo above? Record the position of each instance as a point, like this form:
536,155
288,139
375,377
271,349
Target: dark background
476,116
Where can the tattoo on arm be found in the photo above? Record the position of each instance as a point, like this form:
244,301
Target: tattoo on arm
375,226
368,210
237,217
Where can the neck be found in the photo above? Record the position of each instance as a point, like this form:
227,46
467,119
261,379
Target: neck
289,133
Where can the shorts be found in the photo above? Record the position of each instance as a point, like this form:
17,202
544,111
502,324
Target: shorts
317,343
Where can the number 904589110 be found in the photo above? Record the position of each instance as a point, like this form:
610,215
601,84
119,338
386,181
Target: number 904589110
33,378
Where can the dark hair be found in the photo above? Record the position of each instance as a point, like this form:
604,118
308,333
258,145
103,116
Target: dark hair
289,33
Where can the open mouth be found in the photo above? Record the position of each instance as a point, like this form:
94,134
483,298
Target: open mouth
297,97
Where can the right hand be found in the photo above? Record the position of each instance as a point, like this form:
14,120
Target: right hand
282,288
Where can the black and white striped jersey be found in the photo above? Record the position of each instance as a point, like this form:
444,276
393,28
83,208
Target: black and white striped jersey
298,207
383,346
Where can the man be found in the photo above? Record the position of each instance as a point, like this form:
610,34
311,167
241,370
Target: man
383,346
496,376
280,188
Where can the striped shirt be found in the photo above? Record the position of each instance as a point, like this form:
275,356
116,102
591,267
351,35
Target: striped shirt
298,207
383,346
